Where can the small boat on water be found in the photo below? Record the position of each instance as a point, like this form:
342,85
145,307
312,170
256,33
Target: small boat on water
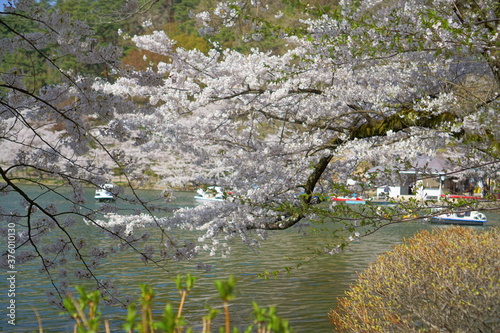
212,193
350,200
104,193
464,218
453,196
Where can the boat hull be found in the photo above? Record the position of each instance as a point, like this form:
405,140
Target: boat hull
436,220
355,202
200,197
452,196
105,199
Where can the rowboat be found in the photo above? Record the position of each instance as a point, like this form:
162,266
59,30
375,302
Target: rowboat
211,193
104,193
350,200
463,218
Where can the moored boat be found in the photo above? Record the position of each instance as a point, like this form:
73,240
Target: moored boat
104,193
456,196
212,193
464,218
350,200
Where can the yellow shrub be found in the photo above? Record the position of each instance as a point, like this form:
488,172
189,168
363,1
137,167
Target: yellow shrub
447,280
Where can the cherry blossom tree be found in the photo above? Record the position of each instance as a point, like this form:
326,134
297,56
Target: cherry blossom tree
370,83
378,82
60,131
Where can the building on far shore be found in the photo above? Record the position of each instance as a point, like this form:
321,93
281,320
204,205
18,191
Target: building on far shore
430,179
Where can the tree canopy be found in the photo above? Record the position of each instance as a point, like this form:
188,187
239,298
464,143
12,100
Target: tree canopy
360,84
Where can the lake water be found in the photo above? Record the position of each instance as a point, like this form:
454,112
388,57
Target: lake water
303,297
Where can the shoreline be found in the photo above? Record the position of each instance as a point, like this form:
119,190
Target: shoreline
58,182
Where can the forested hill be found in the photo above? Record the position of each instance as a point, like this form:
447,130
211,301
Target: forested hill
114,20
111,20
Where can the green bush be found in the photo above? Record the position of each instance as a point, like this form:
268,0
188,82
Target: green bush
447,280
87,314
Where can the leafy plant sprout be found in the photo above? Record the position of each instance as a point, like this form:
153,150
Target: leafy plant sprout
87,315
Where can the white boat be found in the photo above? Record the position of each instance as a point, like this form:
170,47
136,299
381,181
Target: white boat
466,218
212,193
104,193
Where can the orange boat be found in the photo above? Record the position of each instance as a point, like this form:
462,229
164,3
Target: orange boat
350,201
453,196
